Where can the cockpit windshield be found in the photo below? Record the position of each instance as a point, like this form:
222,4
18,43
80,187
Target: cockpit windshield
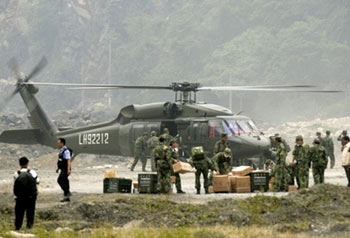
231,127
241,126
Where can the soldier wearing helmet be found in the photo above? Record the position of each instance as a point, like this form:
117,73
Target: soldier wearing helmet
167,136
281,172
140,152
162,155
152,142
301,162
329,146
318,158
223,161
202,164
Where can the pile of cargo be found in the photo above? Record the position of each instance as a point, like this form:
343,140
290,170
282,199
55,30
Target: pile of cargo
242,180
112,184
146,183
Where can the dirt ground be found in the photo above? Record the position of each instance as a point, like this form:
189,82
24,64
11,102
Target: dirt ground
320,210
88,174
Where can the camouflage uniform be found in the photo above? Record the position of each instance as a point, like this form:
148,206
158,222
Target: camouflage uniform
281,172
151,144
223,161
162,155
175,156
220,146
202,165
167,136
301,157
140,152
329,146
319,161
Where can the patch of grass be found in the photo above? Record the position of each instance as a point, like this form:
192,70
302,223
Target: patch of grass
183,232
259,205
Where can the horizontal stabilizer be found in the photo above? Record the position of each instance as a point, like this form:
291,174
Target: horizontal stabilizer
23,136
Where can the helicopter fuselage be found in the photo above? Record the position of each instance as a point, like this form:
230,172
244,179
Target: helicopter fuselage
118,137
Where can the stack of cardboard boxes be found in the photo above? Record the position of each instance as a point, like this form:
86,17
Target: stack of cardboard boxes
237,182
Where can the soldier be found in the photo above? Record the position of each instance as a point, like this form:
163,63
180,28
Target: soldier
223,161
284,142
341,138
167,136
281,173
270,166
140,151
175,159
346,158
301,161
321,139
319,161
162,156
222,144
202,164
152,142
329,146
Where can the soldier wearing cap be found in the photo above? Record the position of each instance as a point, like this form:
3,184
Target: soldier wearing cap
281,172
175,159
140,152
329,146
301,161
222,144
319,160
223,161
152,142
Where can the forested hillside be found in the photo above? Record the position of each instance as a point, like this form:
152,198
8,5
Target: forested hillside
214,42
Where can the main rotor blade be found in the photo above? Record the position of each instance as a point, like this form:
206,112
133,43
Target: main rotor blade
42,63
228,88
288,88
97,86
7,100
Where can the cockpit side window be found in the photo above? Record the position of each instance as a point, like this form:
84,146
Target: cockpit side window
217,128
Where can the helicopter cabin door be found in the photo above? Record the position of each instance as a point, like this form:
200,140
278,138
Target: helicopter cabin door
198,134
171,125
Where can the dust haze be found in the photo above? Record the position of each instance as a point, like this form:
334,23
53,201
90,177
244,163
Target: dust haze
159,42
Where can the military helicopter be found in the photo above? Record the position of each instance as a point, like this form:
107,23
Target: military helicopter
194,123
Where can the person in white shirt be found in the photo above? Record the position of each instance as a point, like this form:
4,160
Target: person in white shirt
346,157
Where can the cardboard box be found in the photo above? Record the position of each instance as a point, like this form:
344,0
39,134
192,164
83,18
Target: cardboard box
240,184
292,188
221,183
182,167
110,173
241,170
172,179
211,189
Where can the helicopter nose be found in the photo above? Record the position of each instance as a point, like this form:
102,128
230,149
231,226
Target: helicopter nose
250,145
